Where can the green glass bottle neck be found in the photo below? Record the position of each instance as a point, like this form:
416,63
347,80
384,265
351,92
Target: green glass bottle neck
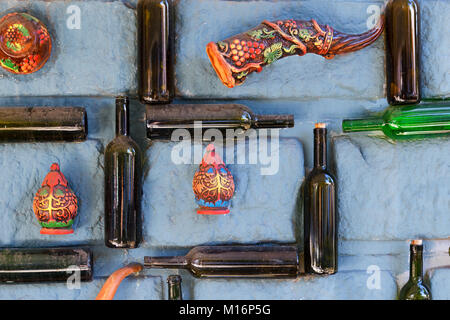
416,263
359,125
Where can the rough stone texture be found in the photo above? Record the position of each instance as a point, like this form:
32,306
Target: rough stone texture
341,286
88,61
440,284
24,167
307,77
435,48
392,191
132,288
399,199
263,208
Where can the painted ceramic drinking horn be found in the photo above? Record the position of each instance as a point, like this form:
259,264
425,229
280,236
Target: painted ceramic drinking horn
238,56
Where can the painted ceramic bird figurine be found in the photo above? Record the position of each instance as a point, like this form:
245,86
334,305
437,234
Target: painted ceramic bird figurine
55,204
213,184
235,58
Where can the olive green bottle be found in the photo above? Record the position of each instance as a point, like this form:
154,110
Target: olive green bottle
156,81
235,261
123,185
403,52
39,265
174,284
320,217
415,288
424,120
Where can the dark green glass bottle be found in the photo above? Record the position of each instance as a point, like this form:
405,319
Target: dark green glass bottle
45,265
425,120
162,120
320,218
403,52
236,261
156,81
123,185
415,288
43,124
174,283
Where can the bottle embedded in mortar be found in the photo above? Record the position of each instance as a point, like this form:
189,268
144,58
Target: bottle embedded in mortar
320,217
156,80
123,185
403,52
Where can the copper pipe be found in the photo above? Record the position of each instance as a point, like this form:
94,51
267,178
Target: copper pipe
112,284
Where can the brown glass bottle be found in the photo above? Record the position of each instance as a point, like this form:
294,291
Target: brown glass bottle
156,81
163,120
320,220
43,124
174,284
45,265
123,185
235,261
403,52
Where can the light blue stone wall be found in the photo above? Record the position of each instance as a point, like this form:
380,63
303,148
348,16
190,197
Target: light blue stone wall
388,193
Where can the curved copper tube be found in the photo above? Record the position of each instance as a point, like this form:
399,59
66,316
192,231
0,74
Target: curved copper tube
111,285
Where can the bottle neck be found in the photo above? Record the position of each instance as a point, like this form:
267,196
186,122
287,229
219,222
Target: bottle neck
273,121
358,125
166,262
175,292
122,116
416,262
320,148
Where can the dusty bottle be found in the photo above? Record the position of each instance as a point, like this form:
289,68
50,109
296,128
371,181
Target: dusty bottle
156,80
123,185
403,52
320,218
235,261
424,120
164,119
415,288
43,124
174,284
45,265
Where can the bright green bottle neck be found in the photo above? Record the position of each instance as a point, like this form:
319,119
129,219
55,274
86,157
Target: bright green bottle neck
358,125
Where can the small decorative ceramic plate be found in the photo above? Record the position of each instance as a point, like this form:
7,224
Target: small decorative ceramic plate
25,44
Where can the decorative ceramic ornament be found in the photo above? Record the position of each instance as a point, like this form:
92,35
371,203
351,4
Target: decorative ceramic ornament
238,56
55,204
25,44
213,184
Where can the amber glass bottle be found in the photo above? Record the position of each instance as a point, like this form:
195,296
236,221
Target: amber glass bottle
156,81
320,220
403,52
123,186
235,261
